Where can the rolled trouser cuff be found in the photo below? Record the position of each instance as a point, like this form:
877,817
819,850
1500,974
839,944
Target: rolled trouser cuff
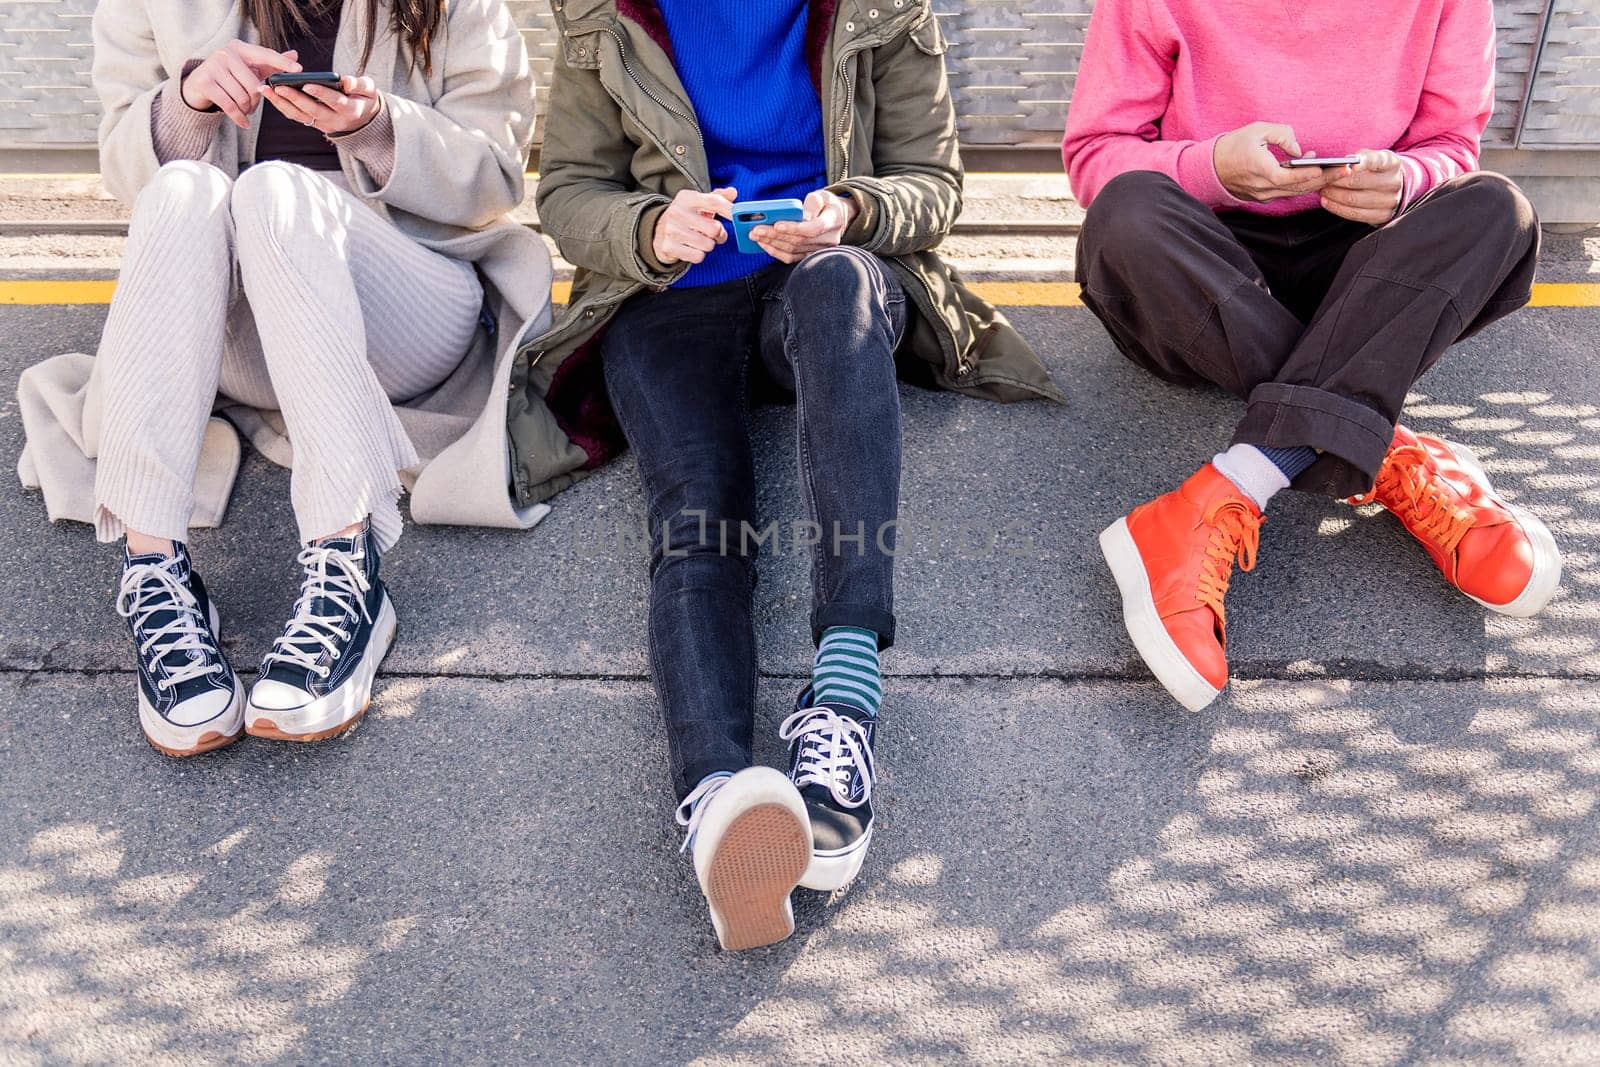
1352,437
863,616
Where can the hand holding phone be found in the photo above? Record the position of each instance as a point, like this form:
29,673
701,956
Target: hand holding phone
325,101
1371,193
825,218
1248,164
753,213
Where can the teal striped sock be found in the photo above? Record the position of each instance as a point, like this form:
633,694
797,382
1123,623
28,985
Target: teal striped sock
846,669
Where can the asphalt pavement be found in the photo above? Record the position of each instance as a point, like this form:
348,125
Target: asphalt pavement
1379,846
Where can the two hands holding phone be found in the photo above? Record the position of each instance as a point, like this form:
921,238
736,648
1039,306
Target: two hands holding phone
1366,186
692,226
237,76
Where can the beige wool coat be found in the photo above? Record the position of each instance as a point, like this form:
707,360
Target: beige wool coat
461,138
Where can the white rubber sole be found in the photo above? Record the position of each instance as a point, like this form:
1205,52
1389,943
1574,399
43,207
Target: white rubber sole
1159,652
171,739
333,714
829,872
750,851
1546,578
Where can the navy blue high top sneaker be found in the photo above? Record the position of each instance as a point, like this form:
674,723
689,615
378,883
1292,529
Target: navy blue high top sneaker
190,701
830,762
316,681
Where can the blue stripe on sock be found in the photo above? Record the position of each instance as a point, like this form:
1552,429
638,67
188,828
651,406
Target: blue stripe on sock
844,636
1291,461
833,670
846,668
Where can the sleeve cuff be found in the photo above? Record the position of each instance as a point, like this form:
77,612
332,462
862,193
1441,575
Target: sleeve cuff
183,76
372,144
178,130
1197,174
865,224
644,237
1414,182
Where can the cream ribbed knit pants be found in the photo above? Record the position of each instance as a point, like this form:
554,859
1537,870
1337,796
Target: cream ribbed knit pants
282,290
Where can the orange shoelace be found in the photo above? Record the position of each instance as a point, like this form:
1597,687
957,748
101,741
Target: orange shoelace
1235,533
1430,504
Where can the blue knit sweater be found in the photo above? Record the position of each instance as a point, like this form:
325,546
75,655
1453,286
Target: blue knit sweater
743,63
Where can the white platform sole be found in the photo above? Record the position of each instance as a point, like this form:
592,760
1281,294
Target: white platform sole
333,714
171,739
1160,653
1546,578
829,872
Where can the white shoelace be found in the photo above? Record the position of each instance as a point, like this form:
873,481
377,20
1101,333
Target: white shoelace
308,635
831,745
693,808
148,589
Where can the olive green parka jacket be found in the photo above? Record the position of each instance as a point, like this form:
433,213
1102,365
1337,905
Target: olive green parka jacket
621,139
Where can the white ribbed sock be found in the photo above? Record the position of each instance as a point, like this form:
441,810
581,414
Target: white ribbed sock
1247,467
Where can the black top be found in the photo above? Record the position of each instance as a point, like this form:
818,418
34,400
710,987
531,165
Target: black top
281,137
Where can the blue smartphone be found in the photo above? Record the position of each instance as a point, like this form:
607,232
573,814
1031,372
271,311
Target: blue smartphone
748,216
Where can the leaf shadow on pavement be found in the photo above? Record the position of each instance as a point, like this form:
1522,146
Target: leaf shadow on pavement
1378,847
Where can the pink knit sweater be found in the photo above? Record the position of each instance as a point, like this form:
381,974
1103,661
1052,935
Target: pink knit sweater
1161,80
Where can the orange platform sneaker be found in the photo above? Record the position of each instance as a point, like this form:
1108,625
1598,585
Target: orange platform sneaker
1172,559
1496,553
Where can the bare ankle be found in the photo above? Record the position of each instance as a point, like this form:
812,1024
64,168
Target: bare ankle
144,545
353,530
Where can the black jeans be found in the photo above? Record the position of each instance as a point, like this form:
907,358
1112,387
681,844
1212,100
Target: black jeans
678,370
1321,324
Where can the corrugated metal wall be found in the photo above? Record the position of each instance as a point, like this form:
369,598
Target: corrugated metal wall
1012,61
1563,102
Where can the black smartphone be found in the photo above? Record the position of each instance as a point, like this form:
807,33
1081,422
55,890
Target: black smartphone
1323,161
307,77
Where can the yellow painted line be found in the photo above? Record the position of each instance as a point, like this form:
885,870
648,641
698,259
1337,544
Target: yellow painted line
1029,294
1003,294
1565,295
56,292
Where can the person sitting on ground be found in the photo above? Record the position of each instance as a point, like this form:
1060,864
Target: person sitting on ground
1317,294
317,258
663,117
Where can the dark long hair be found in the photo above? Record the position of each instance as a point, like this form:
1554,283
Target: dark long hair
415,22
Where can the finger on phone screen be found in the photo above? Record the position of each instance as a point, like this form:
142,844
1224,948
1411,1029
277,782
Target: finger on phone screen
266,59
1281,135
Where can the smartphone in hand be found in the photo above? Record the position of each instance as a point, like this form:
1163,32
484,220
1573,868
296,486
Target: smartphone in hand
303,78
753,213
1323,161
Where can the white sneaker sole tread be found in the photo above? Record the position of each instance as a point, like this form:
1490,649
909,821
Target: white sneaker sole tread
758,861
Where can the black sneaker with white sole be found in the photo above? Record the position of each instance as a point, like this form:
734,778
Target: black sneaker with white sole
830,762
316,681
190,701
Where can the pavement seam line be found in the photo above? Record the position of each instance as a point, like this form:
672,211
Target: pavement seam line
1267,674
